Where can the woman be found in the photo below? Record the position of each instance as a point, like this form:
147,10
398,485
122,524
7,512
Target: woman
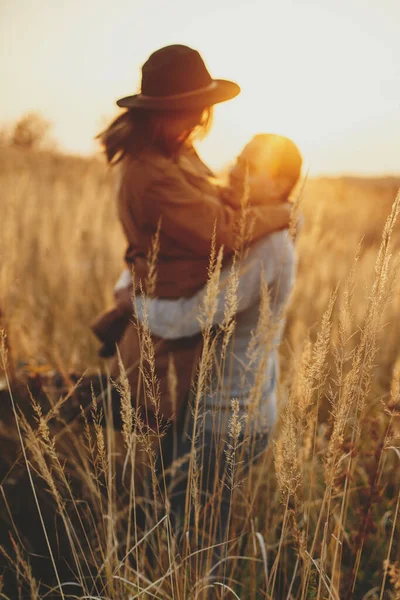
166,191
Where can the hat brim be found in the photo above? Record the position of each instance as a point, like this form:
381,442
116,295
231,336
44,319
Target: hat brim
220,90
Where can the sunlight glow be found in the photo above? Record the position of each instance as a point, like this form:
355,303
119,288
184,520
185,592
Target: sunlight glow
326,74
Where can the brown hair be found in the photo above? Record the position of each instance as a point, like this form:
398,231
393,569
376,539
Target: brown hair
137,129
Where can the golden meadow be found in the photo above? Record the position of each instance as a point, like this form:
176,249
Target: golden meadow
318,517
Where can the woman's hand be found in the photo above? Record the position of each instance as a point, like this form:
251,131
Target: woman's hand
123,293
280,213
123,299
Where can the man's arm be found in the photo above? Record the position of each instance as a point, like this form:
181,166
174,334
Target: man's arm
174,319
124,281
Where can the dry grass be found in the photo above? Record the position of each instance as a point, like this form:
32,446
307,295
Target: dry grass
57,254
317,517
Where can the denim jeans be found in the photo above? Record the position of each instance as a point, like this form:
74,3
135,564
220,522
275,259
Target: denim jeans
218,469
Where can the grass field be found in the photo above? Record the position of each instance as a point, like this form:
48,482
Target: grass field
319,516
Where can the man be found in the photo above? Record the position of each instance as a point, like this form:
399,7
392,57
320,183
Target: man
272,166
240,400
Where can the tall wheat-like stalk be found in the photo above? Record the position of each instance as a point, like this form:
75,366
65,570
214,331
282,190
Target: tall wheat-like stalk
317,516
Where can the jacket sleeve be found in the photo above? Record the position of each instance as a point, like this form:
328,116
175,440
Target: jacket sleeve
189,214
273,257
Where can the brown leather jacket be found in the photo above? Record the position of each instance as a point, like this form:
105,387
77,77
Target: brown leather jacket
184,194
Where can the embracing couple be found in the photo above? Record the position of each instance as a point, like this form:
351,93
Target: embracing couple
172,207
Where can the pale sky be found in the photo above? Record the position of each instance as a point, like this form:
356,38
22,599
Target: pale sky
324,72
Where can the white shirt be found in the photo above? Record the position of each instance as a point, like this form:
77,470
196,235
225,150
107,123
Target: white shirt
273,258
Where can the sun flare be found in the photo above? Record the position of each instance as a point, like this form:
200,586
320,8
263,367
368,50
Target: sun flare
310,86
325,74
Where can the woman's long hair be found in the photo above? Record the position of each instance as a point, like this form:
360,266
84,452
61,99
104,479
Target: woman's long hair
137,129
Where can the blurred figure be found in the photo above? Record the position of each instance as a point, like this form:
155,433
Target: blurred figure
272,164
246,390
166,192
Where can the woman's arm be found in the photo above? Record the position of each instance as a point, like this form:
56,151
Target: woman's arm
189,215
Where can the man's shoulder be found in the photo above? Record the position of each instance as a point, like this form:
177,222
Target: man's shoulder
282,248
276,253
276,243
281,236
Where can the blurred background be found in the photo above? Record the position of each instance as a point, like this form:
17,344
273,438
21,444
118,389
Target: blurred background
325,73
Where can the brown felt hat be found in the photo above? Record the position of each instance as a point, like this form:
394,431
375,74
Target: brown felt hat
176,78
